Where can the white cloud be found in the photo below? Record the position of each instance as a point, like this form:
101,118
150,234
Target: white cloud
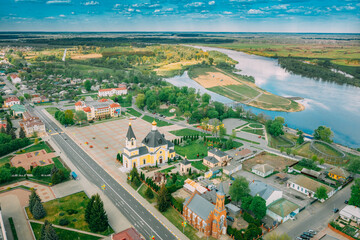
154,5
349,7
281,6
169,9
117,5
72,13
130,10
227,13
138,10
255,11
157,10
50,18
194,4
58,2
211,2
91,3
61,15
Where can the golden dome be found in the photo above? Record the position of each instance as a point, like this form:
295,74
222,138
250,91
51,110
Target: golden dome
154,123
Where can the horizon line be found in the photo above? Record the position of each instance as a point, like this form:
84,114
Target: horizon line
45,31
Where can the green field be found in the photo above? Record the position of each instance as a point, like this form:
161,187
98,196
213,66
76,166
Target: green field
39,146
62,233
77,201
244,89
199,165
254,131
159,122
52,110
195,72
192,150
167,170
166,112
225,92
187,132
133,112
256,125
327,149
5,160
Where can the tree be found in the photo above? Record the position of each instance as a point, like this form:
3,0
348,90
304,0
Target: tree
22,133
258,207
140,101
206,98
355,193
20,171
163,199
69,117
81,116
314,158
246,202
324,134
48,232
5,174
300,139
12,134
222,132
275,127
87,85
187,114
354,166
321,193
149,193
288,151
95,215
33,198
27,96
38,210
239,188
211,61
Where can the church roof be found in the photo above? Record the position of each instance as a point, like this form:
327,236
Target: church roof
130,133
221,190
154,139
200,206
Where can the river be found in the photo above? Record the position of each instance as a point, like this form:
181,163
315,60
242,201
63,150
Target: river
329,104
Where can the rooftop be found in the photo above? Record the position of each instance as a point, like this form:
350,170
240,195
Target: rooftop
282,207
211,159
264,168
261,189
309,183
128,234
340,172
217,152
200,206
350,210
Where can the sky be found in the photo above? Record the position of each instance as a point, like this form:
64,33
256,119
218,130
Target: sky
330,16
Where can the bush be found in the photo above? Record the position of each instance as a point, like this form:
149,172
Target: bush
247,217
61,214
71,211
64,222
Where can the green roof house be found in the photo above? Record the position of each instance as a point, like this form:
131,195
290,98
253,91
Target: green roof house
18,109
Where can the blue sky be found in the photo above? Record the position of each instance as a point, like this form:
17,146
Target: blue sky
181,15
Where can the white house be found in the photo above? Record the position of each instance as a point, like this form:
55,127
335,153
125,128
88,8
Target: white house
350,212
282,210
112,91
263,170
11,101
15,78
268,193
308,186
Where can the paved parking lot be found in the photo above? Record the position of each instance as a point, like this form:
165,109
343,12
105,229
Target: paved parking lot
111,135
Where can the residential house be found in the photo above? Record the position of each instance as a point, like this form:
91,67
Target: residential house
99,109
308,186
339,173
282,210
15,78
350,212
266,192
32,125
36,98
10,101
18,110
215,158
232,167
232,209
155,149
204,216
185,166
112,91
159,178
127,234
263,170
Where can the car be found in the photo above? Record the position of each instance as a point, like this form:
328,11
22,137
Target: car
161,115
299,238
312,231
231,219
335,210
303,236
346,202
308,234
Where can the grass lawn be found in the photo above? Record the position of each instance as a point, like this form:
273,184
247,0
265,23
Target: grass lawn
188,132
225,92
277,141
39,146
327,149
247,140
44,104
52,110
77,201
166,112
133,112
256,125
175,218
305,151
178,119
254,131
142,193
5,160
62,233
69,105
299,167
58,163
192,150
217,140
199,165
167,170
159,122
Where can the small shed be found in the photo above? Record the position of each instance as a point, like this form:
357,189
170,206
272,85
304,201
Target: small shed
232,209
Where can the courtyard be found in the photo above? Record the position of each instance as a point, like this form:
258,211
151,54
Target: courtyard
34,159
278,162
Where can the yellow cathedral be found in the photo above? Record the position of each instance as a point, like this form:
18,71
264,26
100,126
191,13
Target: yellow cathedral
154,150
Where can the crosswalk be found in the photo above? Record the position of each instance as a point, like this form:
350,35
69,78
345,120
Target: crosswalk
56,133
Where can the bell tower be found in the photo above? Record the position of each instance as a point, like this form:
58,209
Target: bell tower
130,138
219,225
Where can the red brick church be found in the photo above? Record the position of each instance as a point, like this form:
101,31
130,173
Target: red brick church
208,218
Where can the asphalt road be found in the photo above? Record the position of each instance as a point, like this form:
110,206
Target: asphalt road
144,222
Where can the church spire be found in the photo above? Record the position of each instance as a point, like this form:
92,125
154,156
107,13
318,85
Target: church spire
130,133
